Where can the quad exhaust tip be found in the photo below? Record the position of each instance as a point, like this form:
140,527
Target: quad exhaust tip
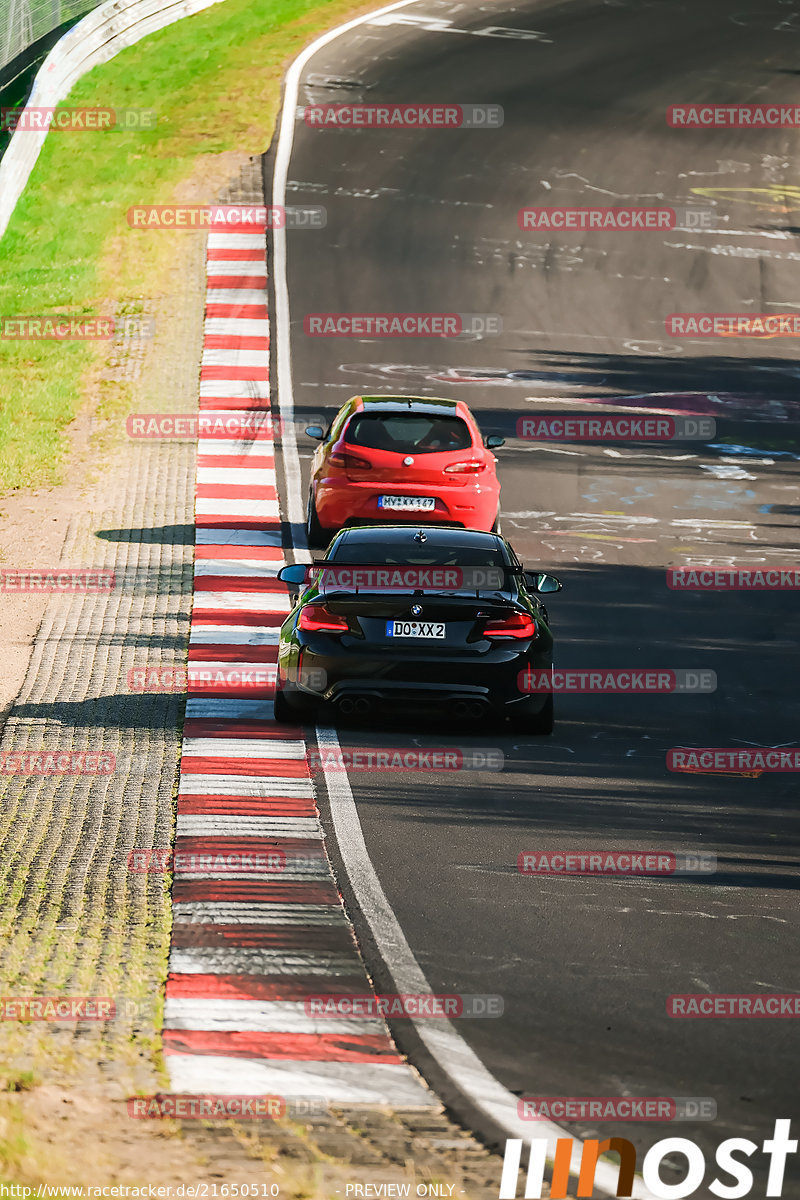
469,709
359,706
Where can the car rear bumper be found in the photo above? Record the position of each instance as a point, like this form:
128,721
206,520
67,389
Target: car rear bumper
346,504
437,684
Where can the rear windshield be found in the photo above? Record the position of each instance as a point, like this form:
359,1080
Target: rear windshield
408,433
379,554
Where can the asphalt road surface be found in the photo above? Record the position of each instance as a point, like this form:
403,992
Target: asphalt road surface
427,222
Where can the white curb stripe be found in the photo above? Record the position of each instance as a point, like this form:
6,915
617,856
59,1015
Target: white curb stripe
337,1083
222,912
243,785
261,1016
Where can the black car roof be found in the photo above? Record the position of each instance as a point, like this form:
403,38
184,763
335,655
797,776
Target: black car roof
436,535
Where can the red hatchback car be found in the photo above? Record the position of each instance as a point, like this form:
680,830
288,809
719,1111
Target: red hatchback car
395,458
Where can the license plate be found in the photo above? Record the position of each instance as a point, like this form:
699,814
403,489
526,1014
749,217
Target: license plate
415,629
406,502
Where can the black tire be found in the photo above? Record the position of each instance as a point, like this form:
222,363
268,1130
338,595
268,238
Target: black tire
496,526
281,710
541,723
315,534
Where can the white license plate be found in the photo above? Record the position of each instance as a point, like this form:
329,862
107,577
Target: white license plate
406,502
415,629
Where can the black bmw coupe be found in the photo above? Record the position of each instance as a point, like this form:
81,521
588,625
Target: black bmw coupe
417,618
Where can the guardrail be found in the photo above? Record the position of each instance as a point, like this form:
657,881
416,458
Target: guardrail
94,40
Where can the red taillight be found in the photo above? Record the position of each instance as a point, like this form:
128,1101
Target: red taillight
316,618
465,468
517,625
351,462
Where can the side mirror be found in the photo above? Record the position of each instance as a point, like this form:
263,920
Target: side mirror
493,442
543,583
316,432
294,573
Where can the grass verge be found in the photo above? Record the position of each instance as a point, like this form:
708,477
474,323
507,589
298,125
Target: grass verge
214,82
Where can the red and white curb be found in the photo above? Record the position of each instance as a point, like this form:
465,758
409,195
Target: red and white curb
248,948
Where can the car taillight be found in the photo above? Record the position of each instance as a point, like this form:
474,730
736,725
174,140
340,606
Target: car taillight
517,625
316,618
351,462
465,468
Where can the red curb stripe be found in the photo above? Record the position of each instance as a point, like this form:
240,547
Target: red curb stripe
249,691
237,491
251,461
247,890
220,371
235,254
330,939
302,1047
223,521
239,583
237,311
246,806
236,653
197,727
235,341
238,404
262,987
259,620
267,553
281,768
234,282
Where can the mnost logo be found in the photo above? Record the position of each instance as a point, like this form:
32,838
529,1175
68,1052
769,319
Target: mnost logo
583,1159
